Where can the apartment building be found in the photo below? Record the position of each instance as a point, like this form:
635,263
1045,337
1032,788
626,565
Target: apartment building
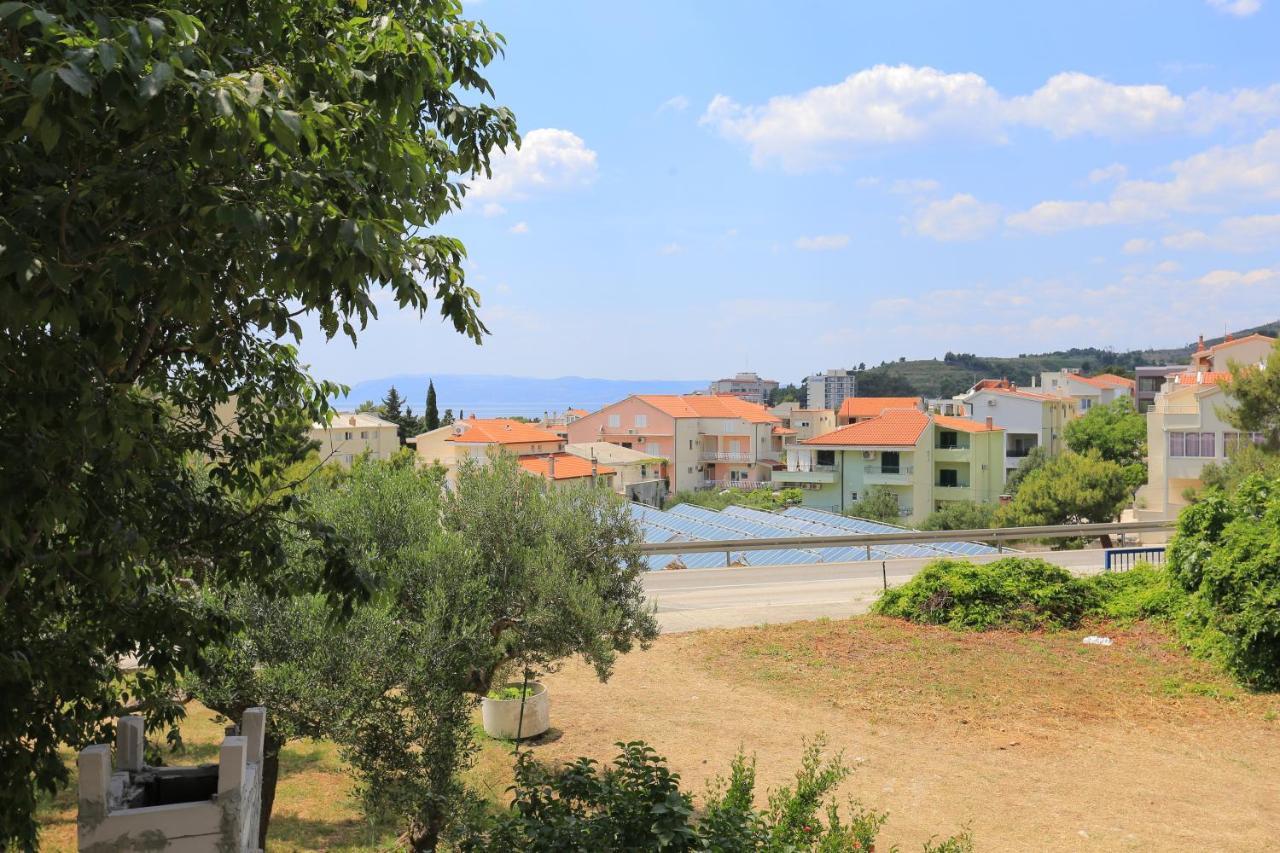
539,451
1086,391
1150,379
638,476
803,423
926,460
828,390
558,422
1185,427
748,386
1029,419
351,434
856,409
708,441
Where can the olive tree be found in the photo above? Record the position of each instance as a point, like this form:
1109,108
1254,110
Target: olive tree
499,570
182,184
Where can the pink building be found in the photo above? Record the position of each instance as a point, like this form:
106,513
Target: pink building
708,441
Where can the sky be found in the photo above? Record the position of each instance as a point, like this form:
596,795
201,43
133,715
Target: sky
714,186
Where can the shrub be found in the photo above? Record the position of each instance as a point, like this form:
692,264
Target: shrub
766,499
961,515
1226,555
637,804
1021,593
1143,592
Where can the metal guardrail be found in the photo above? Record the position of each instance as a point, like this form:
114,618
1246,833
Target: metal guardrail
908,537
1121,559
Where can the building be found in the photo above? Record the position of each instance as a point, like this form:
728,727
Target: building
856,409
828,390
1185,427
538,451
803,423
748,386
1086,391
925,459
1150,379
1029,419
708,441
638,476
350,434
558,422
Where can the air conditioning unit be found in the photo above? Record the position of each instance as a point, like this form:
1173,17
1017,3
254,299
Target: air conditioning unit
631,432
868,454
991,402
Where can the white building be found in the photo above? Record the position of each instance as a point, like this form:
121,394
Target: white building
1087,391
828,390
349,434
748,386
1029,419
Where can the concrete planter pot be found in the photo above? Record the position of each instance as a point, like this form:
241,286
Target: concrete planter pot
501,717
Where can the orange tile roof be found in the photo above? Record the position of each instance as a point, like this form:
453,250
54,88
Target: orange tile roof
964,424
781,430
1029,395
1202,377
869,407
582,413
1104,380
1235,341
500,431
568,466
709,406
893,428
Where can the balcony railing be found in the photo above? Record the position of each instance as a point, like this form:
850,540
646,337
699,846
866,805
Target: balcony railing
723,456
809,466
960,485
718,485
1018,452
889,469
951,447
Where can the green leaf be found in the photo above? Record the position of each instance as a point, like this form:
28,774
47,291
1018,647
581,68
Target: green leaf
255,88
76,79
8,10
223,99
49,133
107,55
41,84
154,83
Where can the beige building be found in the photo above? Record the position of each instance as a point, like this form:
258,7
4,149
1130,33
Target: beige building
1087,391
351,434
539,451
804,423
637,476
1029,419
1185,427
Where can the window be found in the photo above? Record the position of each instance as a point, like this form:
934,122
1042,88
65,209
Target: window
1086,404
364,434
691,444
346,436
615,420
948,477
642,420
889,462
1191,441
690,469
1199,445
827,457
652,448
1206,444
947,440
1176,445
1233,441
853,496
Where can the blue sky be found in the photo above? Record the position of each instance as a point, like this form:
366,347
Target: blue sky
712,186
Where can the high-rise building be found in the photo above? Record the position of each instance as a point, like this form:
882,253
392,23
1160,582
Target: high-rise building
828,390
748,386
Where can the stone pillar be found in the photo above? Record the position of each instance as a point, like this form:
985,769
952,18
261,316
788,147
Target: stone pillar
94,765
231,764
130,740
253,726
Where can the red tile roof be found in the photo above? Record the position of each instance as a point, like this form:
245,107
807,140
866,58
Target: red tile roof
500,431
869,407
709,406
781,430
892,428
568,466
1202,377
1104,380
964,424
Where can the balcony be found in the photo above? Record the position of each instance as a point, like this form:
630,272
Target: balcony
1018,452
724,456
889,474
720,485
817,474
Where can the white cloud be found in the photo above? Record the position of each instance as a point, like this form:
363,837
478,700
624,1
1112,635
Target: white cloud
888,105
822,242
670,249
549,159
961,217
1137,246
1114,172
1239,8
914,186
519,228
1207,181
1223,279
492,209
1235,234
676,103
1167,267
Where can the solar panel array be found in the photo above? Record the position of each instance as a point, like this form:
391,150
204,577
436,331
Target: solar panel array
686,522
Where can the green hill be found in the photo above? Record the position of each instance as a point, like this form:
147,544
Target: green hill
955,373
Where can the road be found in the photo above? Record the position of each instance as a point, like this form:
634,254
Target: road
735,597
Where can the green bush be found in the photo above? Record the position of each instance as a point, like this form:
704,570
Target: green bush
637,804
1143,592
1021,593
1226,555
766,499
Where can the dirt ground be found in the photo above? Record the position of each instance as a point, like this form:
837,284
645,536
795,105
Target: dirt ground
1034,742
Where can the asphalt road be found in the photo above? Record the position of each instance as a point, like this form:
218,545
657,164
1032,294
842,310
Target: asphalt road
691,599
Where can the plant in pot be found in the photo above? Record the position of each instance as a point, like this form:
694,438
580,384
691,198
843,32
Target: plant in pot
516,709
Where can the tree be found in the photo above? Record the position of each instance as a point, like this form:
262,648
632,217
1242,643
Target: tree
961,515
432,420
448,417
392,409
502,572
879,503
1118,433
182,184
1036,458
1255,398
1073,488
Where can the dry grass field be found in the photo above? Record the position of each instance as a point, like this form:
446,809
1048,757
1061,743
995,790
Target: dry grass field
1036,742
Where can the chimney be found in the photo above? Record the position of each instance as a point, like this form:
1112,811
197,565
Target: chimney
1230,337
1200,346
990,425
551,467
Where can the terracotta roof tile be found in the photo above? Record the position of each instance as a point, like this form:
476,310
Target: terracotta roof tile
964,424
709,406
892,428
499,431
869,407
781,430
568,466
1202,377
